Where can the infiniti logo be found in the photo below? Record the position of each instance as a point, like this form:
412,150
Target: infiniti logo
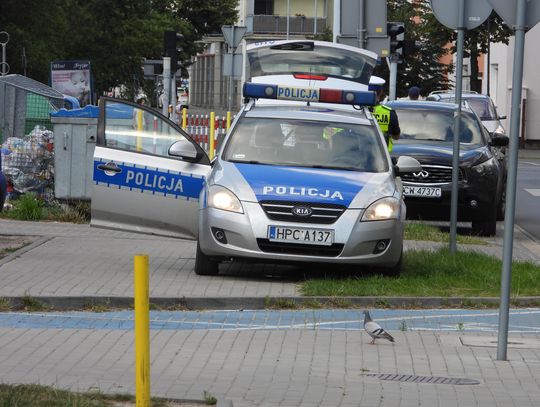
421,174
302,211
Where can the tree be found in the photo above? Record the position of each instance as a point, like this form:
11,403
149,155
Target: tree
422,67
115,35
421,64
477,42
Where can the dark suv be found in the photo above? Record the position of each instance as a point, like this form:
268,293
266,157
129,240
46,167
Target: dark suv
427,134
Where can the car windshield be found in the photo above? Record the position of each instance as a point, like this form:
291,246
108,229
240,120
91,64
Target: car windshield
483,107
327,61
437,125
306,144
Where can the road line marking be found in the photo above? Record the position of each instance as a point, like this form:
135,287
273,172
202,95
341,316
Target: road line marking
533,192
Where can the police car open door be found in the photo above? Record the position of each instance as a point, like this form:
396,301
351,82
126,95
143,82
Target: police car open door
148,173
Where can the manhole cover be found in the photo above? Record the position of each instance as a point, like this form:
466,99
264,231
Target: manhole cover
423,379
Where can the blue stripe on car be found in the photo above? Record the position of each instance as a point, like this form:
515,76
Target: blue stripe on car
150,180
283,183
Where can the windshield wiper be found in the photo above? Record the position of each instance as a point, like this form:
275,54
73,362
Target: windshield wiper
245,161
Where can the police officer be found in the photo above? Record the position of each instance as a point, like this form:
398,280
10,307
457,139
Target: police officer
385,116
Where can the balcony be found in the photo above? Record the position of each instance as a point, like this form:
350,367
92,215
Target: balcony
298,25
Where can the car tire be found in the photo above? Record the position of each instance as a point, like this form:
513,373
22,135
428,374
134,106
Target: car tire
501,207
395,270
486,227
204,265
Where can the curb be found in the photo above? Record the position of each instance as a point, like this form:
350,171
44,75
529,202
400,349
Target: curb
276,303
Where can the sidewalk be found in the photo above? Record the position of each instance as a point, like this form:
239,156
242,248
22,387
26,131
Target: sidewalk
529,154
251,367
71,261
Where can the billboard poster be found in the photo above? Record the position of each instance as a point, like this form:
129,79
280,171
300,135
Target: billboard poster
72,78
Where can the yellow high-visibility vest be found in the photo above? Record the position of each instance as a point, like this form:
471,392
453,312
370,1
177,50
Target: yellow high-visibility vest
382,115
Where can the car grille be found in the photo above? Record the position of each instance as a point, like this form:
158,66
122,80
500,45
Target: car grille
301,249
435,175
283,211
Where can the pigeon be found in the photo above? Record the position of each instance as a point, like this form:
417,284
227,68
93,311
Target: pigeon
375,330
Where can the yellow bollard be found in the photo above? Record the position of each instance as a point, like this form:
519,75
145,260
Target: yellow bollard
184,118
212,133
142,332
228,120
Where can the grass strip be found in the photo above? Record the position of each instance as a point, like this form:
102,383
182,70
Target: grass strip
428,273
33,395
415,230
29,207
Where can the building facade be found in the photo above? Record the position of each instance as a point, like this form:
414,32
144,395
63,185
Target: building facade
265,20
500,85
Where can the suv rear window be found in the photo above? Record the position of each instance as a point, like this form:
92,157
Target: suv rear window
310,59
483,107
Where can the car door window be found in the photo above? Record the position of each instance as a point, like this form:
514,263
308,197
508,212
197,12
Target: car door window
132,128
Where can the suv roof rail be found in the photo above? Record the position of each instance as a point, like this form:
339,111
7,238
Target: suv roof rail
439,92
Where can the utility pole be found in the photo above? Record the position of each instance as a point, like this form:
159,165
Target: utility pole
459,15
522,15
166,85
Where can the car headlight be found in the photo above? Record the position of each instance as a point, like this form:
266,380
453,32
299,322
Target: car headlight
221,198
383,209
485,167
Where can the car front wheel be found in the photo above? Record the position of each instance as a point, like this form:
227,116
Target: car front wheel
395,270
204,265
486,227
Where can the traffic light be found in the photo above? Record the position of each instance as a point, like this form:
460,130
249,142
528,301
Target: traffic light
171,48
396,32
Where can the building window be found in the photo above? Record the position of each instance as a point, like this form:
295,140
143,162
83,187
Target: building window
264,7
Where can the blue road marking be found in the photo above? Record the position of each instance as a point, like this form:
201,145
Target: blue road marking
521,320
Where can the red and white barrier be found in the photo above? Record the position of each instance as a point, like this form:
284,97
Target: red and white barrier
198,127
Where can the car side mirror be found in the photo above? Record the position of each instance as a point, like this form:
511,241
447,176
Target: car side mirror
185,150
498,141
407,165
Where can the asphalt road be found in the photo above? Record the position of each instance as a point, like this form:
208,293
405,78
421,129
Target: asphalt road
527,214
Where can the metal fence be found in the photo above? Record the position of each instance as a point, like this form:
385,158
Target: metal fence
25,104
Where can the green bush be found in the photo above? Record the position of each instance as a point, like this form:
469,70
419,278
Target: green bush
27,207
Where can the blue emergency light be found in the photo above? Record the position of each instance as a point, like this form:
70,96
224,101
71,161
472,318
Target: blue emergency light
348,97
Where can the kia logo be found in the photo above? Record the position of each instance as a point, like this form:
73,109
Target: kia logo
302,211
421,174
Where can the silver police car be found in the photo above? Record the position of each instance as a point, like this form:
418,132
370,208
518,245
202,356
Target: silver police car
309,181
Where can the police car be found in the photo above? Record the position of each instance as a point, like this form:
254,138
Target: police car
310,181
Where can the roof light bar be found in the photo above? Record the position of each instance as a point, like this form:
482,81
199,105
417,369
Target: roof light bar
259,90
